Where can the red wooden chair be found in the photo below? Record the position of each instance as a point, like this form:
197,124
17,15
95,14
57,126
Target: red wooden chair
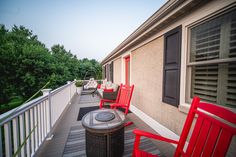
211,136
122,100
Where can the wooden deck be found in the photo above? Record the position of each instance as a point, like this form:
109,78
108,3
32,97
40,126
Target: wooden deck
68,126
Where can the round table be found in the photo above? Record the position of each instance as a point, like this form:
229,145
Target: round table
104,133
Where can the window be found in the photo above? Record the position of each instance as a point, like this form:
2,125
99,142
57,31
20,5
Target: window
213,60
108,71
111,72
104,72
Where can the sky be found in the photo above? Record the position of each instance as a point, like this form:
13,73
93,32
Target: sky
89,28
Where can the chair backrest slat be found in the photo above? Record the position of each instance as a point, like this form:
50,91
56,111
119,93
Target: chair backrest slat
195,135
124,96
212,132
222,143
212,139
202,138
119,92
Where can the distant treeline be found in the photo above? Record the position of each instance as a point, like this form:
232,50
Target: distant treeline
26,65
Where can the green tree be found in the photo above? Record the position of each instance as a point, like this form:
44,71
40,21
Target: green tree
26,65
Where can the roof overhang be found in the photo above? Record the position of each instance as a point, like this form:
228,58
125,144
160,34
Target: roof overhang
168,13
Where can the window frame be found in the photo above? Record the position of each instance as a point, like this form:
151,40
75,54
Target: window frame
190,64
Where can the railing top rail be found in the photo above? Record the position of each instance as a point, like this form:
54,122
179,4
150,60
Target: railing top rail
5,117
61,88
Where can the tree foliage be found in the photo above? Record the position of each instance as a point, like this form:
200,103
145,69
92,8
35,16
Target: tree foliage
26,65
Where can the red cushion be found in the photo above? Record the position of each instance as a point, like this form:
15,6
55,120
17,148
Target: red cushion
108,90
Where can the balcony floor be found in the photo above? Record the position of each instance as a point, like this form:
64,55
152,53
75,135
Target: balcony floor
68,128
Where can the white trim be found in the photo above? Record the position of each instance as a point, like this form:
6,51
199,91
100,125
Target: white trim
213,61
159,128
184,107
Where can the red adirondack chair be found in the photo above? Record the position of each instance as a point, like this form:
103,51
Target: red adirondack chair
211,136
123,98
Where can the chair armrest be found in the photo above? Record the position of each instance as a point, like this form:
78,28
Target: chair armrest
154,136
105,100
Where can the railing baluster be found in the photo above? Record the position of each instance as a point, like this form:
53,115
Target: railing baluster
1,150
27,129
42,120
48,117
45,119
8,143
37,125
15,134
50,135
22,133
31,128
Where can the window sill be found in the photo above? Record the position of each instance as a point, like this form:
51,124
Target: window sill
184,108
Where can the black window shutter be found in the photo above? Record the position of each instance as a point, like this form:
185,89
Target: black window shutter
103,72
107,74
171,69
111,72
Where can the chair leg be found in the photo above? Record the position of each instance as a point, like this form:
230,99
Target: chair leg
101,104
128,124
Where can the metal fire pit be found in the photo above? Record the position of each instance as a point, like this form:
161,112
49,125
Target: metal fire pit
104,133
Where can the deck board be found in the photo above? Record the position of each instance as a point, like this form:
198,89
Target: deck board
68,125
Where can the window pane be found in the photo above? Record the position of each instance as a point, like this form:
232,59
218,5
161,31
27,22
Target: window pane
215,39
232,45
215,83
212,40
231,86
204,82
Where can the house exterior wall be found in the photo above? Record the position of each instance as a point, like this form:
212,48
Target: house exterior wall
147,73
147,76
147,70
117,71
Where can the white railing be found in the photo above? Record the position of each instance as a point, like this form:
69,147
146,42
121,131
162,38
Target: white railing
23,130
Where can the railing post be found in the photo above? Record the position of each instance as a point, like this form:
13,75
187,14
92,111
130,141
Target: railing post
75,85
69,82
48,92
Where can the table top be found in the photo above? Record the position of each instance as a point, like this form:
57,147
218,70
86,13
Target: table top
103,119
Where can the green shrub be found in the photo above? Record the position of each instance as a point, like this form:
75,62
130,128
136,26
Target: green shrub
79,84
15,101
99,81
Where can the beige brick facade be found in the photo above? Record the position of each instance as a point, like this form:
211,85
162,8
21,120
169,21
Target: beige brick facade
147,75
147,68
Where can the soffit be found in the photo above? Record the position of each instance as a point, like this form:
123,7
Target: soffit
169,13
